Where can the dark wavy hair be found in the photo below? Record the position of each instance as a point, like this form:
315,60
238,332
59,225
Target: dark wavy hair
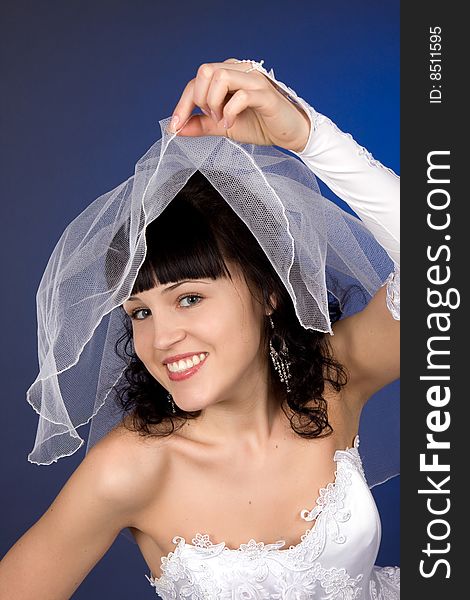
192,239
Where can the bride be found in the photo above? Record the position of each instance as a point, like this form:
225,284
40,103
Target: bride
252,319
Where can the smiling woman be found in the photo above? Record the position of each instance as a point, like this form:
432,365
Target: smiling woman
239,293
221,325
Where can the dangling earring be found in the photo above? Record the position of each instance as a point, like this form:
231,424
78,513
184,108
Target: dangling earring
172,403
280,358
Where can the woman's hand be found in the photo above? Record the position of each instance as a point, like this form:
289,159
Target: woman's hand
245,107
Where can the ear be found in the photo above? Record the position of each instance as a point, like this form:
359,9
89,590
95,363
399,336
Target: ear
272,304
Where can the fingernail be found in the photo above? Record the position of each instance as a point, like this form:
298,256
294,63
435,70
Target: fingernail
225,124
214,116
174,123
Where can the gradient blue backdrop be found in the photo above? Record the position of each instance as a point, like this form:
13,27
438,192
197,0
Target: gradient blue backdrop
86,83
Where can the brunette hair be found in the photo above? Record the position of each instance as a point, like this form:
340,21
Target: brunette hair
192,239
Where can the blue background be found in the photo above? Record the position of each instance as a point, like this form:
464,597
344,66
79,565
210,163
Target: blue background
85,84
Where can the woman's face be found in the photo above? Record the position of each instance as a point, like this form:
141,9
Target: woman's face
218,321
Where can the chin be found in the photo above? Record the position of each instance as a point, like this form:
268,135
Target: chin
203,394
191,404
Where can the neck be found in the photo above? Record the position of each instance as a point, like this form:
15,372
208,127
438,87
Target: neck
251,419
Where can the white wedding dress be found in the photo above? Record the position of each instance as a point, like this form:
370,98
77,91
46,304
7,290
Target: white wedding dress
334,560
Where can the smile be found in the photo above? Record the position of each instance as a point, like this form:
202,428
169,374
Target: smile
181,370
186,363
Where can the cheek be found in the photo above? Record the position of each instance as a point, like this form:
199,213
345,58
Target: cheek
142,342
239,334
226,324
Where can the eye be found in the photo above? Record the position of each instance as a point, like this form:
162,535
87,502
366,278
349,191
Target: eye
190,296
136,315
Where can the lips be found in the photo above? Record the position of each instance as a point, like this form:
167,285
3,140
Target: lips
178,357
187,373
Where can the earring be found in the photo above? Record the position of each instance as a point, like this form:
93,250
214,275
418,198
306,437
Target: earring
280,358
172,403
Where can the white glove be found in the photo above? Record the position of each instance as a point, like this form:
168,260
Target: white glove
369,188
349,170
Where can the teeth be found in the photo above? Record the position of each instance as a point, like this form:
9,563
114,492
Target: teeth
186,363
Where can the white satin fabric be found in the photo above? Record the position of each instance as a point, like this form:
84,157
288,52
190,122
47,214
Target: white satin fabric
349,170
333,561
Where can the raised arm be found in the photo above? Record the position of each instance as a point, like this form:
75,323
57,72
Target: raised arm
368,343
247,104
244,102
348,169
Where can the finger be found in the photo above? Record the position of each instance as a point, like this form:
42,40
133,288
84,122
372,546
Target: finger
204,80
184,108
226,81
243,99
195,92
202,83
200,125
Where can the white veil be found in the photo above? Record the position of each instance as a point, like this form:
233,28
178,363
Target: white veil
318,250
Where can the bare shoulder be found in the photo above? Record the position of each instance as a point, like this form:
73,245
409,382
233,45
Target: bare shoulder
101,497
127,465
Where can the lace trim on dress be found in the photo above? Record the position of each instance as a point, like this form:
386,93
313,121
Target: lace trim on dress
393,292
328,513
389,578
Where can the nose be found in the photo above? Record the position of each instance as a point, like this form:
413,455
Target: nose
166,333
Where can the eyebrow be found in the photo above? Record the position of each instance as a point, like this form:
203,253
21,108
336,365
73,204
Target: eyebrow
171,287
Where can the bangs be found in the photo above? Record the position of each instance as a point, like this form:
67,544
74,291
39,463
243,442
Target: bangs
180,245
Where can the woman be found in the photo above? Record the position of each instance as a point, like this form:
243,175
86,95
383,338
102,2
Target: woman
244,405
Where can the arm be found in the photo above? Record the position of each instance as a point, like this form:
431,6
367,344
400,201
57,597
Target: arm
367,343
369,188
54,556
252,106
349,170
262,110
